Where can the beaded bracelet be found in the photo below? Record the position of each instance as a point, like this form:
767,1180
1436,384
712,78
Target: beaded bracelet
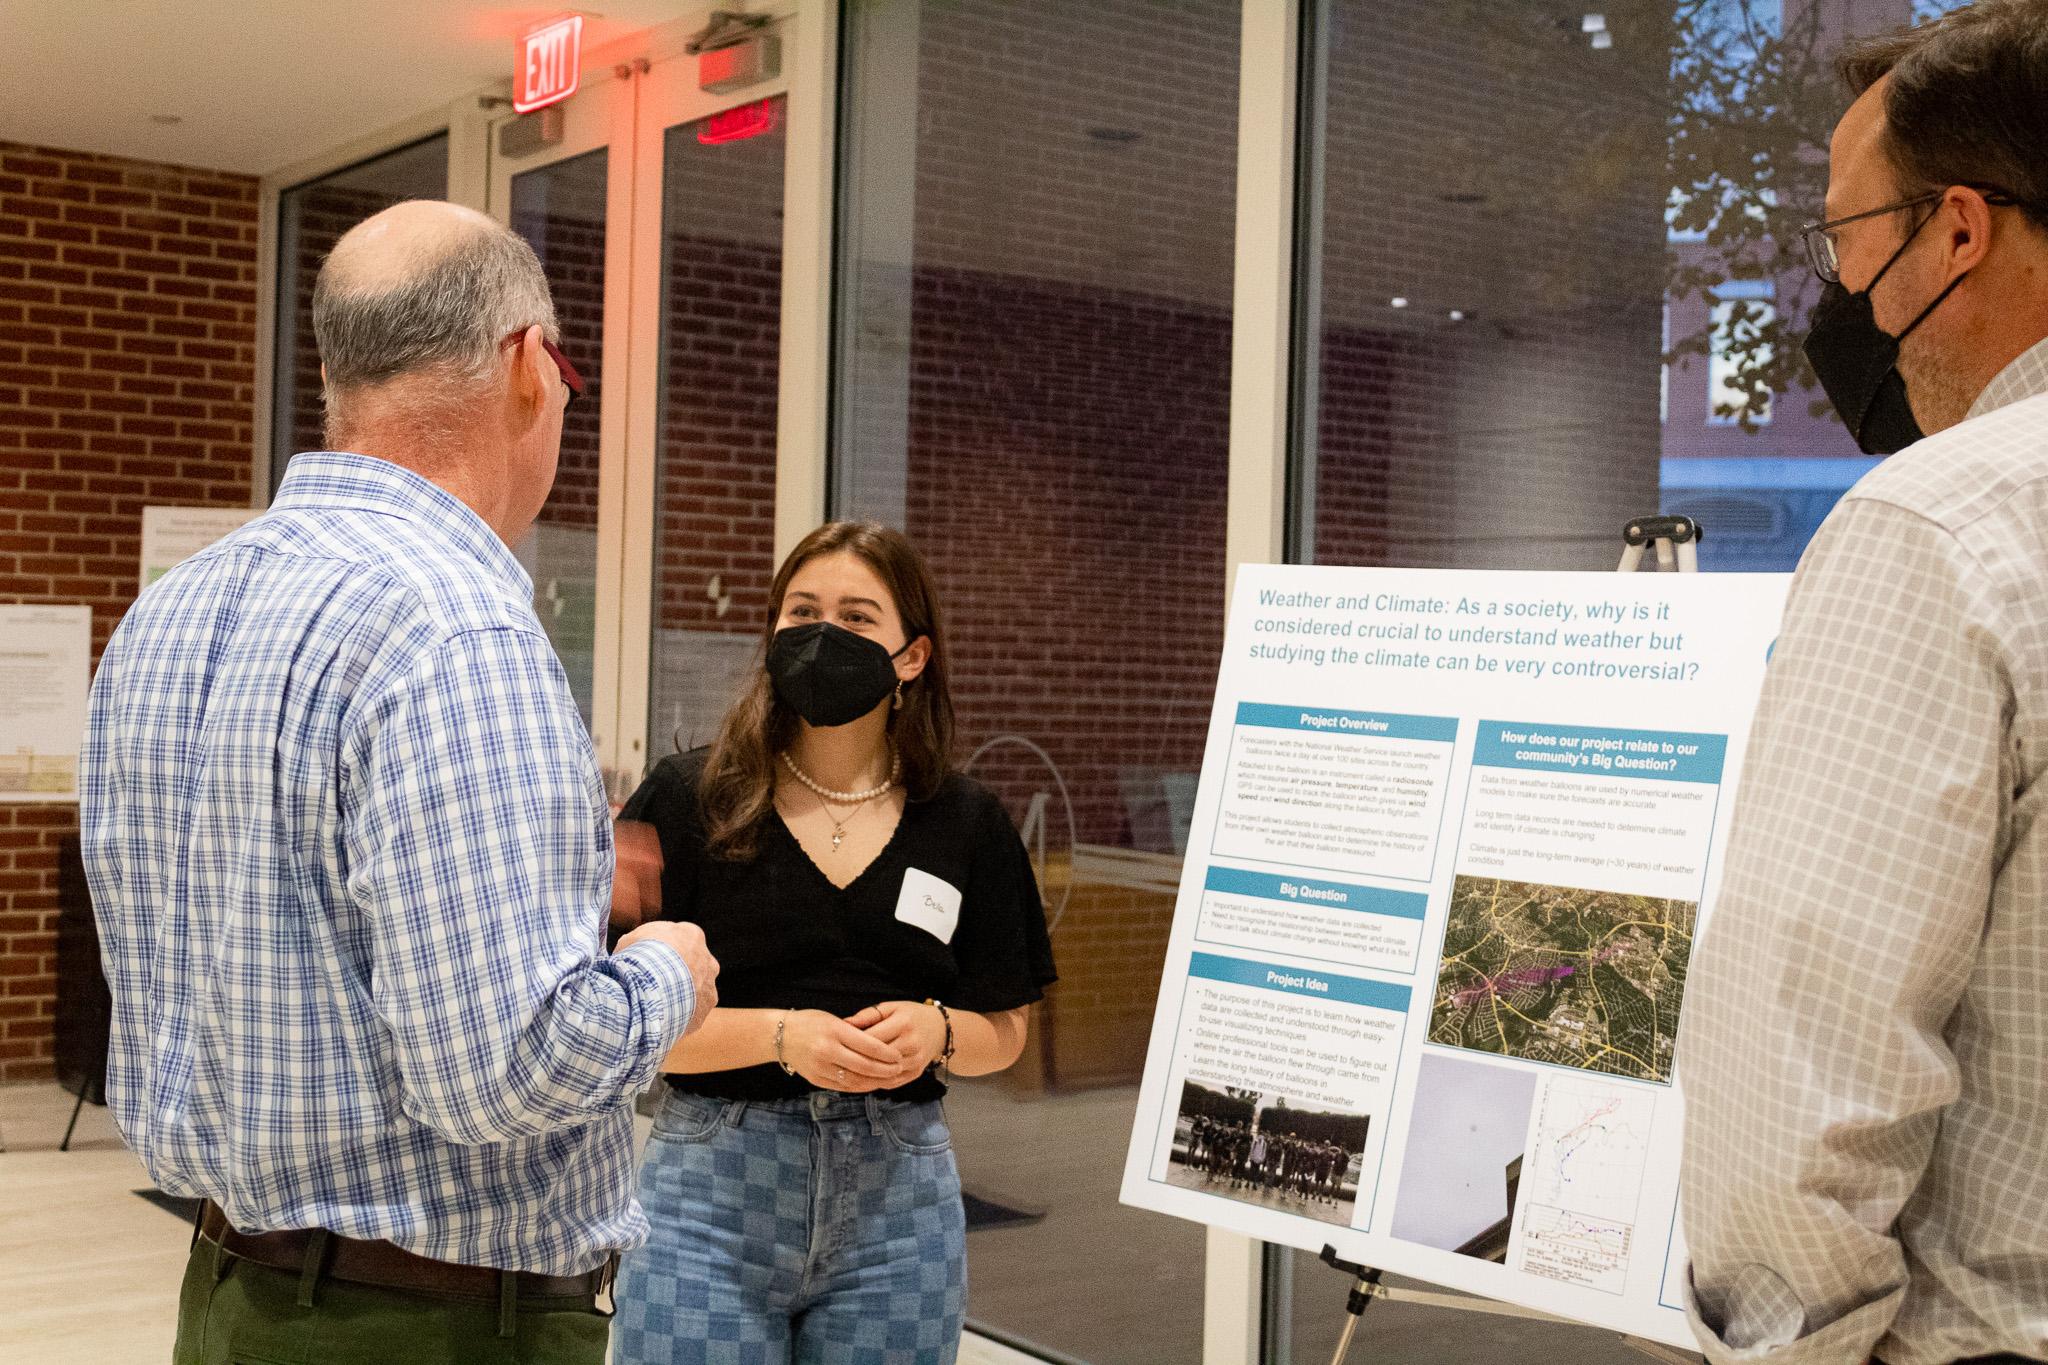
946,1053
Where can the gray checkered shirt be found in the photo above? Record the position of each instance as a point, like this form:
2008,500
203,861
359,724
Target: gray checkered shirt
1865,1044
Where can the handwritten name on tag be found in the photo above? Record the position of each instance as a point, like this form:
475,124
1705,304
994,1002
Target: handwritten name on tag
929,904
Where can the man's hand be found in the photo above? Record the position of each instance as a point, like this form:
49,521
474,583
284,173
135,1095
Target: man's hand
636,876
687,942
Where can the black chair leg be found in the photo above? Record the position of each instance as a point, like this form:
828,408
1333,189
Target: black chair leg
65,1145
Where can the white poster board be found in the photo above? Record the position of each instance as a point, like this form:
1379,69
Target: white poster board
45,665
1454,836
172,535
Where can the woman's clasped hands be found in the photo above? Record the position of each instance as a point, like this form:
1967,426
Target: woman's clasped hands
881,1048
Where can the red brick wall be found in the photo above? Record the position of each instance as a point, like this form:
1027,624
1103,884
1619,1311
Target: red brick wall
127,377
721,364
560,209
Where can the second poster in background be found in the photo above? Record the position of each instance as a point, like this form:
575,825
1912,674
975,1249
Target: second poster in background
1455,837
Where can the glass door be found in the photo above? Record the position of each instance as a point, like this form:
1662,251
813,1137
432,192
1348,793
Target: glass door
701,463
571,199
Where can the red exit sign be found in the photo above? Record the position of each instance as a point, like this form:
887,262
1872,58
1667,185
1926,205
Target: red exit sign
549,62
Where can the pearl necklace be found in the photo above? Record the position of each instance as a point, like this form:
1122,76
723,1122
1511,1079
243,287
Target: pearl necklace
860,799
845,798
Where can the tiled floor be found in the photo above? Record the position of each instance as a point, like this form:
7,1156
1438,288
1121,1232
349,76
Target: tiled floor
89,1271
1113,1285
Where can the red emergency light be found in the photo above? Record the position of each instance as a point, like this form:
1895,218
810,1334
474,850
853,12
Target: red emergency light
740,122
548,64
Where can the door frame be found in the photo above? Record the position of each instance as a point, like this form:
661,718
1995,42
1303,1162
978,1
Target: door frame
600,117
634,91
667,96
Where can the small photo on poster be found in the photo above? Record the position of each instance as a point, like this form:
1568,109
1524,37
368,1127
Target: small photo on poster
1559,974
1464,1157
1258,1148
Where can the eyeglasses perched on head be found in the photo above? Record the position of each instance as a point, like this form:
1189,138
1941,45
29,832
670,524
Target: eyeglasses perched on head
570,377
1826,255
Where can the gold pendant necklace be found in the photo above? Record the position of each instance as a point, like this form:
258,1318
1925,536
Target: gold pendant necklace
838,825
825,794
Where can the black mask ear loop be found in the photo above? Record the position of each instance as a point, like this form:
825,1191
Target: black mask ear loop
1869,289
897,655
1932,306
1900,250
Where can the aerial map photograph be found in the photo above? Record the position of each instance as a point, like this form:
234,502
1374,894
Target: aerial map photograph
1588,979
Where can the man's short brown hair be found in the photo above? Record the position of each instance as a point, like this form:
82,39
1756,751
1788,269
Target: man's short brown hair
1968,101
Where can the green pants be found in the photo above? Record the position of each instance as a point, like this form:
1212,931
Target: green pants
231,1312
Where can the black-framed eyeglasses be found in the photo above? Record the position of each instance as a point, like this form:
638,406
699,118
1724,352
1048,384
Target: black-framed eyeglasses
1826,255
570,377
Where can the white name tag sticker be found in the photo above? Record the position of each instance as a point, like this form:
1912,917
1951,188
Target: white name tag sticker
930,904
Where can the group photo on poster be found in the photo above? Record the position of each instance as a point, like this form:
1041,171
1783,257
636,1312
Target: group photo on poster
1260,1149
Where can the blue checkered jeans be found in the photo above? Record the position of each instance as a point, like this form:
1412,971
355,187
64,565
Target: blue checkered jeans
817,1231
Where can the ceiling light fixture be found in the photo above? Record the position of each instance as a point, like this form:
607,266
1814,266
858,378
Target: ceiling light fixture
1397,302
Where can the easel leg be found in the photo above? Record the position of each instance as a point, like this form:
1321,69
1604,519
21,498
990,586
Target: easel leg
1355,1303
65,1145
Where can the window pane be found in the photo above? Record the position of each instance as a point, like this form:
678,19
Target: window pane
1503,264
310,219
1034,382
721,311
1554,281
560,210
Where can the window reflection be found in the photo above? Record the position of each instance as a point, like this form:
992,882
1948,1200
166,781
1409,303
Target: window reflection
310,220
1554,279
1558,279
721,333
560,210
1036,236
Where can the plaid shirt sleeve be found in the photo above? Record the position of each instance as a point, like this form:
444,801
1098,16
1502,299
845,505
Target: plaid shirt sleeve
480,854
1871,820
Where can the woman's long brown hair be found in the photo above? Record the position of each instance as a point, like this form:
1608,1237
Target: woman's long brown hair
737,789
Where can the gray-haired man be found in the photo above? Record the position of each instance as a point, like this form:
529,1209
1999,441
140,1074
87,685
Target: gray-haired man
352,859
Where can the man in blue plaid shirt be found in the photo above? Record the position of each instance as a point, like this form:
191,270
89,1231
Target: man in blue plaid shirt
351,859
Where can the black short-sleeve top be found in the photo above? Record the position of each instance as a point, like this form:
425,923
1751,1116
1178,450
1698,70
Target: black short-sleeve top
786,938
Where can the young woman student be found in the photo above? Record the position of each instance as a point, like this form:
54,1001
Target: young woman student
877,927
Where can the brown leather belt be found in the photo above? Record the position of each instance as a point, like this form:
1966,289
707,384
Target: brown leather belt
393,1267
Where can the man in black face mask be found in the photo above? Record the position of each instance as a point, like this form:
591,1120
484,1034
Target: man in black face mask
1865,1044
1918,314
